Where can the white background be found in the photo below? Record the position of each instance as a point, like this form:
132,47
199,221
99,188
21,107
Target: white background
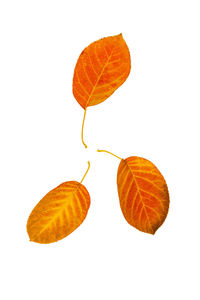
155,114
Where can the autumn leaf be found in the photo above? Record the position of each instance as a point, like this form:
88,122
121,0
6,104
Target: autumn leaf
143,193
59,212
101,68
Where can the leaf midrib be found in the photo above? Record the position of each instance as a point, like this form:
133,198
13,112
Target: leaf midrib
91,94
138,188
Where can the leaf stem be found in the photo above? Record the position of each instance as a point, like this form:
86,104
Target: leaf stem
82,129
109,153
85,172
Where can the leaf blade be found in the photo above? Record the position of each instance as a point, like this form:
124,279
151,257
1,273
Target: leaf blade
101,68
58,213
143,194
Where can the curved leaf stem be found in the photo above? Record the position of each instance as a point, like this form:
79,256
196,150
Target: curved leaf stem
109,153
85,172
82,129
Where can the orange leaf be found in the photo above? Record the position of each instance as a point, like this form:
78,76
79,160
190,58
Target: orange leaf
101,68
143,194
59,213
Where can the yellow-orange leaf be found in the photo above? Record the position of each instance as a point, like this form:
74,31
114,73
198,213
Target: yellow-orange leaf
143,194
101,68
59,213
